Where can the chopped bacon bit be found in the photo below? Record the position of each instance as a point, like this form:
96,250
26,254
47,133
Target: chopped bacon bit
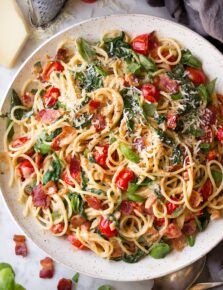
131,80
99,122
101,154
39,197
171,207
168,85
219,134
207,190
159,222
209,116
64,284
179,244
173,231
62,54
117,250
75,168
27,100
215,214
39,159
208,134
195,199
139,143
212,155
126,207
20,247
47,271
64,138
47,116
93,202
189,228
94,104
50,188
77,221
149,203
75,242
56,229
86,226
19,141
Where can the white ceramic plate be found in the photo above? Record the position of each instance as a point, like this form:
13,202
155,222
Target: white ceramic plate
59,249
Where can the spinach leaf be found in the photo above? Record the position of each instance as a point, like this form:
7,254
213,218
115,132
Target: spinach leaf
133,186
217,175
41,147
191,240
205,147
135,197
77,203
133,258
149,109
196,132
206,91
189,59
177,96
85,50
84,180
160,118
83,121
129,153
54,173
164,137
118,47
132,67
210,87
203,220
52,135
177,155
160,250
75,278
90,79
147,63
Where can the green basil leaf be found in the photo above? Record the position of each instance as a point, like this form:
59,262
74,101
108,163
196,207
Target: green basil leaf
190,60
54,173
177,96
132,187
191,240
100,71
160,250
210,87
134,258
205,147
47,177
6,265
203,93
85,50
76,277
42,148
135,197
19,287
105,287
164,137
132,67
129,153
203,220
77,203
52,135
147,63
196,132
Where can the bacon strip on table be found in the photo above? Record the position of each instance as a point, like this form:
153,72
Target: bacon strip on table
47,270
64,284
20,247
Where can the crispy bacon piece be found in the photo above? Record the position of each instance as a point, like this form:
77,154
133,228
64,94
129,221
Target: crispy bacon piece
56,229
99,122
39,159
48,116
64,284
117,250
20,247
209,116
19,142
126,207
173,231
179,244
207,189
139,143
62,54
149,204
27,100
189,228
50,188
75,242
39,197
77,221
47,270
93,202
195,199
167,85
64,138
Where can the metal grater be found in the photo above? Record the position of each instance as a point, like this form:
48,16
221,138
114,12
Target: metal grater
42,12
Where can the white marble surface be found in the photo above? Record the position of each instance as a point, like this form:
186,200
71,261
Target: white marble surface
27,269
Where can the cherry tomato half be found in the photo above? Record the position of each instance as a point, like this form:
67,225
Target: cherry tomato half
51,97
100,155
207,189
104,228
197,76
124,177
140,44
75,242
52,66
150,93
171,121
25,169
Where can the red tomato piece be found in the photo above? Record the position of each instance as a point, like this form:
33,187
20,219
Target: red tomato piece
171,207
47,271
150,93
99,122
93,202
126,207
159,222
124,177
100,155
197,76
140,44
75,168
65,284
19,141
66,178
94,104
173,231
51,97
64,138
171,121
75,242
77,221
56,229
104,228
48,116
219,134
212,155
52,66
25,169
207,189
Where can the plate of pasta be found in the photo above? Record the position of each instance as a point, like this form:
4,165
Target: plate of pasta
112,150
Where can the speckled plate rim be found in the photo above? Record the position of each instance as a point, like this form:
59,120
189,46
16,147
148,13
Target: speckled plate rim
127,273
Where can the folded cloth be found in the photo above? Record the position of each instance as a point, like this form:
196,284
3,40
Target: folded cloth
203,16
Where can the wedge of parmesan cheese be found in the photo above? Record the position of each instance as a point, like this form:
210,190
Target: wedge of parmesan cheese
13,32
